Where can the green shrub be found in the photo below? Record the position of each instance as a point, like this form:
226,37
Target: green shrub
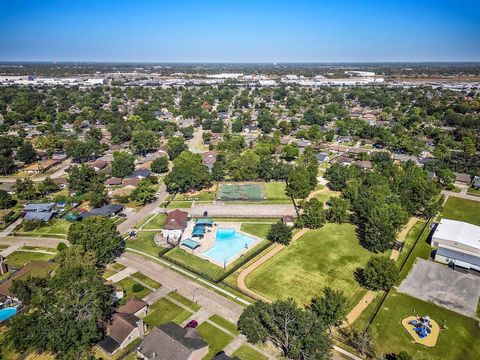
61,246
137,288
29,225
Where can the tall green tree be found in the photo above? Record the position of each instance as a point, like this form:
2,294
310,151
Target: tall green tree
313,215
188,173
123,164
175,146
298,183
331,307
143,142
160,165
380,273
26,153
280,233
144,192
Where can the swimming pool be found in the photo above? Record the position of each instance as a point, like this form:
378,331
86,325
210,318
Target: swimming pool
7,313
228,243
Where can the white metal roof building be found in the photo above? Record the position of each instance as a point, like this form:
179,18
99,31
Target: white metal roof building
458,243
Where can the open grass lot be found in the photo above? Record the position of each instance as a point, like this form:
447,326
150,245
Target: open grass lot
204,195
144,242
462,210
260,230
421,250
145,279
472,191
326,194
19,258
156,222
127,285
276,191
225,324
55,228
410,239
459,341
246,220
245,352
216,338
323,257
183,300
164,311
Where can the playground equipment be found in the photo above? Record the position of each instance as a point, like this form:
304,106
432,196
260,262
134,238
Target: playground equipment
422,327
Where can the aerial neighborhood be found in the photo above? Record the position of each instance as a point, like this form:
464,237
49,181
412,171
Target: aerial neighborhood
180,212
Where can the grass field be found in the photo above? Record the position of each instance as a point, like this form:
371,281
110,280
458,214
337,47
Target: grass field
57,227
203,195
19,258
462,210
245,352
180,204
472,191
421,250
459,341
260,230
246,220
183,300
145,279
154,222
127,285
164,311
216,338
276,191
144,242
326,194
323,257
225,324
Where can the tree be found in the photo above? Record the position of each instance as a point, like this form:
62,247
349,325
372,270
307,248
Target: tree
97,234
468,145
66,312
313,215
338,211
337,175
81,178
298,184
380,273
175,146
83,150
332,307
289,152
6,200
6,165
160,165
123,164
143,141
144,192
25,189
246,167
97,195
280,233
207,137
26,153
445,177
362,341
188,173
47,186
299,333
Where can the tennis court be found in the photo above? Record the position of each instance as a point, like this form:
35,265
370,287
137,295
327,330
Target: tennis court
241,191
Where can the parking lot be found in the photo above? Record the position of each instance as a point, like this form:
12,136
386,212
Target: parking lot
443,286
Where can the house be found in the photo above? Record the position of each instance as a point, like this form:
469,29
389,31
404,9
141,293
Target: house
458,244
404,157
62,183
59,155
175,223
343,160
125,327
139,174
122,192
209,159
40,166
106,210
171,341
463,179
131,182
99,165
8,187
43,212
365,164
113,181
344,139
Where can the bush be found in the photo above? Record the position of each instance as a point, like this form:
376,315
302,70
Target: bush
29,225
136,288
61,246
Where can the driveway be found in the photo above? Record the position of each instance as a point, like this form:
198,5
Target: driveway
437,283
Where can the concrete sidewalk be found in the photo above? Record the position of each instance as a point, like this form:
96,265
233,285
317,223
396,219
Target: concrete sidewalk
122,274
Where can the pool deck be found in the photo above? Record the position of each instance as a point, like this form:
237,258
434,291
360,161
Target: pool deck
208,241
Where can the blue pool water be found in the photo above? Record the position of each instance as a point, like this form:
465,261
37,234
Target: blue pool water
228,243
7,313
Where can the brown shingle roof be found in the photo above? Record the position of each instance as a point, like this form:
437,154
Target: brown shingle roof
132,306
176,220
122,326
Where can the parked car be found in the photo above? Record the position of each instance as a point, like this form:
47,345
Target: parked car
192,324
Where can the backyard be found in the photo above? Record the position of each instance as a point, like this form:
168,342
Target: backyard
144,242
164,311
458,341
19,258
56,228
323,257
462,210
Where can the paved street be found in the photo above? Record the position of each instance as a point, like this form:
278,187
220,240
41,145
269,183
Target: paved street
461,195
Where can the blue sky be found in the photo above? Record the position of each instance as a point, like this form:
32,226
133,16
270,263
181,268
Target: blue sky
239,31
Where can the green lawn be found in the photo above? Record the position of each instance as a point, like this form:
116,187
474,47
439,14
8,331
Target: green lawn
409,241
19,258
227,325
260,230
117,267
127,285
216,338
245,352
39,248
421,250
145,279
472,191
108,272
183,300
462,210
57,227
326,194
322,257
180,204
246,220
199,196
164,311
276,191
144,242
156,222
459,341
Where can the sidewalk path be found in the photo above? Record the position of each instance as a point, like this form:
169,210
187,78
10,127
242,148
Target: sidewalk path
461,195
274,251
122,274
157,295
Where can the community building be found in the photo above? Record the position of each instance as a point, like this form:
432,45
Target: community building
458,244
175,223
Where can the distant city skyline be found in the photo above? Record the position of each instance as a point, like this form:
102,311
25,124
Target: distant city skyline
345,31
